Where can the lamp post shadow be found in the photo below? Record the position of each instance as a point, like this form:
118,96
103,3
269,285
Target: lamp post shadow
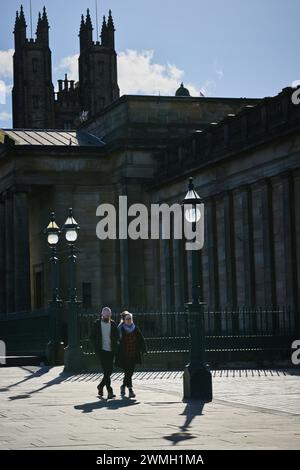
192,409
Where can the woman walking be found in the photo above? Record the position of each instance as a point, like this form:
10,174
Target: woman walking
131,347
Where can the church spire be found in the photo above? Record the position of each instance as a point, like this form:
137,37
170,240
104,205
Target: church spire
42,31
45,17
89,27
110,22
22,17
20,28
82,25
86,31
110,31
17,20
104,32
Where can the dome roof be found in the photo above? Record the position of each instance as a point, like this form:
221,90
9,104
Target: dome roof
182,91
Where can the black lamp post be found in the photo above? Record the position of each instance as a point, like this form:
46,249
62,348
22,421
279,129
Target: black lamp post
70,230
73,358
197,381
52,232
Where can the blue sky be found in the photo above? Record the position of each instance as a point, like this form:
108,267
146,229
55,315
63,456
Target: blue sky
224,48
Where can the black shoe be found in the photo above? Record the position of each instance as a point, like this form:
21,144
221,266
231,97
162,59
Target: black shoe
131,393
100,390
122,390
111,395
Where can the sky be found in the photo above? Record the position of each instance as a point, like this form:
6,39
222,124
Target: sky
232,48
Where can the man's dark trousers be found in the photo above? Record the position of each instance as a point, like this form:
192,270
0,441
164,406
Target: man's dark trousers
106,360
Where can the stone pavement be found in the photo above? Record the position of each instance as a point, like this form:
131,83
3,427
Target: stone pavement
42,408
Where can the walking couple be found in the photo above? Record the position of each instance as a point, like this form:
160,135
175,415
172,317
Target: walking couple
123,344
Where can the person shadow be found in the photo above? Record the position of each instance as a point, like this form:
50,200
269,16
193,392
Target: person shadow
192,409
114,404
62,377
33,375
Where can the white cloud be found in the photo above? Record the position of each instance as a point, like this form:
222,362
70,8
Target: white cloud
4,116
138,74
208,88
2,92
68,65
6,63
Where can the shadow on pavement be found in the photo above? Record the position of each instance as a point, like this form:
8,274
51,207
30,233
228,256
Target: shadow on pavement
62,377
103,403
192,409
38,373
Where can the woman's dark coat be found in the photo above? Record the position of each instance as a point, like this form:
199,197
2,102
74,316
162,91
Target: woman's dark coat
121,357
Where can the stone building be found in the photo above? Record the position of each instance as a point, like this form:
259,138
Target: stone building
243,155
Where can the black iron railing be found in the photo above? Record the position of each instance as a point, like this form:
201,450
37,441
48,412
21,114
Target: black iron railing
260,329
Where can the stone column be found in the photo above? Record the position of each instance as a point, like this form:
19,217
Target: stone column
212,247
9,253
22,297
248,251
2,256
258,244
229,236
268,244
289,240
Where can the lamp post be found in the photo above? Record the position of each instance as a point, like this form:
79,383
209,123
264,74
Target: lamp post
52,232
73,357
197,381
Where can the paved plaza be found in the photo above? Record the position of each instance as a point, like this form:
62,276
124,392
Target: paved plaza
43,408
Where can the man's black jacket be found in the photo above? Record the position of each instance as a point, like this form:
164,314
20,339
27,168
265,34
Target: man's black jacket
96,336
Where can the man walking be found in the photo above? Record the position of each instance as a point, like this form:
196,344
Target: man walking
105,339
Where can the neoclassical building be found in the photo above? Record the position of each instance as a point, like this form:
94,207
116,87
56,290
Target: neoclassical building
243,155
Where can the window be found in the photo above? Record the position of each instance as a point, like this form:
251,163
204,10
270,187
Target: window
35,64
86,294
36,101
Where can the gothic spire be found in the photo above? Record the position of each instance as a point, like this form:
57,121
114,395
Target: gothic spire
20,28
88,21
22,21
82,25
42,31
104,32
17,19
45,17
110,31
110,22
39,22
